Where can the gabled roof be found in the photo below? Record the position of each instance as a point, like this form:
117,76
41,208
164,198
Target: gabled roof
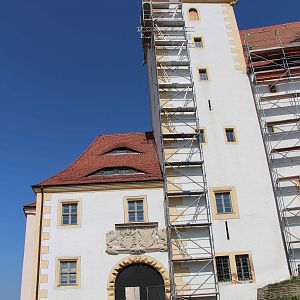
266,37
95,158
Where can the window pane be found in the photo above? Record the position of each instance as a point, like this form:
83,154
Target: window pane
140,216
65,219
220,208
74,208
131,205
74,219
73,266
63,279
223,268
139,205
65,209
72,278
243,267
230,135
131,216
202,136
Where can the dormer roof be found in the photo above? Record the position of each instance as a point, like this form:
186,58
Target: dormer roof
144,158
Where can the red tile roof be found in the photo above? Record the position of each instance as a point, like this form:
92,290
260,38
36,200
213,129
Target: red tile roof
95,158
32,204
267,37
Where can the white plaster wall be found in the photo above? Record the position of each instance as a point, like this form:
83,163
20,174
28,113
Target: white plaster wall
242,165
100,211
28,256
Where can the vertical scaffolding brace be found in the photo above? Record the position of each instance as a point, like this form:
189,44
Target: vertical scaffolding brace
191,247
274,70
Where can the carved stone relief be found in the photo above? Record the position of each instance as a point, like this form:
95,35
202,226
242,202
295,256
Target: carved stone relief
136,240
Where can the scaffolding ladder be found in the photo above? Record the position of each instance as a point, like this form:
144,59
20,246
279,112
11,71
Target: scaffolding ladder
274,70
190,239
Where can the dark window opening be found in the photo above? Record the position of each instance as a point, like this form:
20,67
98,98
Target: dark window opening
116,171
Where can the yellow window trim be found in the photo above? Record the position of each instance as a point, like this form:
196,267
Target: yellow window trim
78,273
59,213
233,266
235,135
136,198
189,17
207,72
202,40
234,204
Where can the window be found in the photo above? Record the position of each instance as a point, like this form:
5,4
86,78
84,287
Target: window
270,128
230,135
116,171
68,272
223,268
122,150
198,42
234,267
203,75
136,210
243,267
272,88
202,136
69,214
223,203
193,14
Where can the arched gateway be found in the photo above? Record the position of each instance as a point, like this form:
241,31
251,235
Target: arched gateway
139,277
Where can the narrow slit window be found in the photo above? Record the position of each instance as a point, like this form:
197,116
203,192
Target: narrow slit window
223,269
193,14
203,75
198,42
202,136
270,128
230,135
223,203
243,267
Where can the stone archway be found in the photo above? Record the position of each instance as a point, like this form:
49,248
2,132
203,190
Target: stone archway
134,260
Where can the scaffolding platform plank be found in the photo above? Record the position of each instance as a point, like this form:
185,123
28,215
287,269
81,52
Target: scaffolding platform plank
169,22
180,135
185,193
183,163
179,109
174,63
285,149
170,42
181,226
183,260
289,178
175,85
286,121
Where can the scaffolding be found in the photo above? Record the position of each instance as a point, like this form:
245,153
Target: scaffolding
190,240
273,58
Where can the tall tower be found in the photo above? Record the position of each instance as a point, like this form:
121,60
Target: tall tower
221,213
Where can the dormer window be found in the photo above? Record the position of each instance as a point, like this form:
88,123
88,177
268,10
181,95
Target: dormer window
122,150
116,171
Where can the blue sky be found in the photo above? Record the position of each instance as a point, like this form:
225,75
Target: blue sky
70,70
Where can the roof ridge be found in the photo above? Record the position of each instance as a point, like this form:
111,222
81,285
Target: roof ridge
271,26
